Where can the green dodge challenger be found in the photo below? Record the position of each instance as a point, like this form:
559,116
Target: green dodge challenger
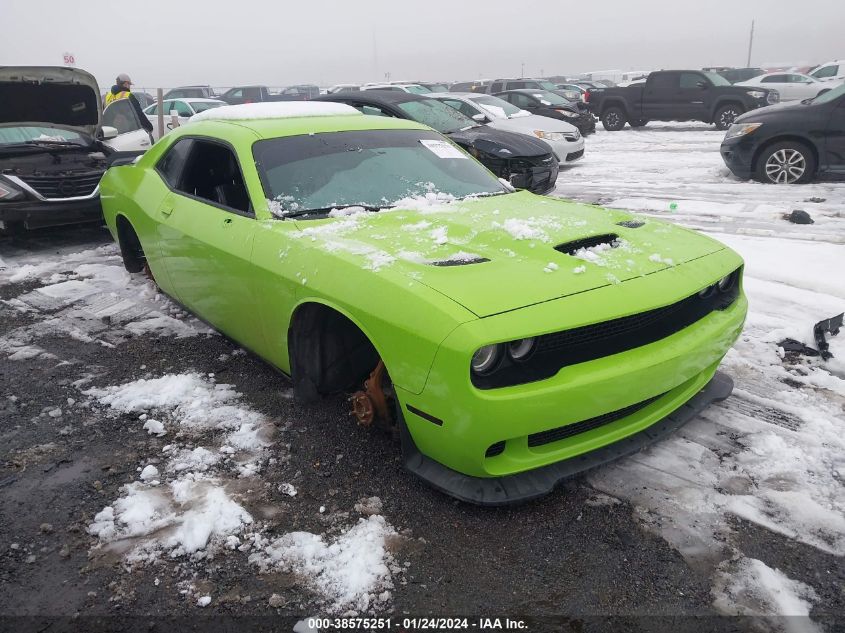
510,340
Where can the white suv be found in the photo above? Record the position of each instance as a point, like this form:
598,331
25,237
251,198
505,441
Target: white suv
830,71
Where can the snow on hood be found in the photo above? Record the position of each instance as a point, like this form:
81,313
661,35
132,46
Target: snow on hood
275,110
51,95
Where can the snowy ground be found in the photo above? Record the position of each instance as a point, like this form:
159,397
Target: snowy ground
192,480
774,453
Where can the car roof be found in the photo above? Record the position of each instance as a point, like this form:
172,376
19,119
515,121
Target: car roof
375,97
295,126
527,90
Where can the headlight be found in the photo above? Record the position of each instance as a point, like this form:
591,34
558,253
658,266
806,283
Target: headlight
726,283
549,136
486,359
567,113
9,193
521,350
741,129
757,94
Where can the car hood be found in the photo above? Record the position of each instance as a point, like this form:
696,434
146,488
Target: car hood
761,114
497,254
51,96
527,124
500,143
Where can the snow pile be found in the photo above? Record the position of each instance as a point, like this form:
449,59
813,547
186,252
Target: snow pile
275,110
352,572
188,517
529,229
194,403
749,587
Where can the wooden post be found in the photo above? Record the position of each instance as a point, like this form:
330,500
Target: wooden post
160,110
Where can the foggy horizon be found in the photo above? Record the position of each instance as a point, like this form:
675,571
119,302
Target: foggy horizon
162,45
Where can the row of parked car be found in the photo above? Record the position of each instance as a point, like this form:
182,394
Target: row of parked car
56,140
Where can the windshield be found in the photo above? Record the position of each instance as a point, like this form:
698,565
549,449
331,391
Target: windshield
497,107
549,98
417,90
433,113
831,95
717,79
438,88
202,106
547,85
25,134
369,168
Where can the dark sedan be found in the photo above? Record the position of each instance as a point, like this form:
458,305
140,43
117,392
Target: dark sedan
552,105
789,143
526,162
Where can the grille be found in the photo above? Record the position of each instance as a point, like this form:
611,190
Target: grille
570,430
575,155
598,340
71,186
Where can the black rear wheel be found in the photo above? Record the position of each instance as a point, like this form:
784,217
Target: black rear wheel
613,119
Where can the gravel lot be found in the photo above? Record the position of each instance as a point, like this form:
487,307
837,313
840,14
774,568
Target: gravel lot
740,513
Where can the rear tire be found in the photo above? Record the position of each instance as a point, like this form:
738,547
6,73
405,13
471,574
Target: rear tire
726,115
613,119
134,259
787,163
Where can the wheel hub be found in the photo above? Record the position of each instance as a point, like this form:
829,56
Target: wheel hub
785,166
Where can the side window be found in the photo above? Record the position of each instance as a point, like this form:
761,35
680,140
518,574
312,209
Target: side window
235,93
152,110
774,79
181,108
521,101
690,81
170,165
252,94
121,115
371,110
212,173
663,82
497,86
516,85
825,71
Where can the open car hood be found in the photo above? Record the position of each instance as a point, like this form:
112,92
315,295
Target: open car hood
51,96
501,253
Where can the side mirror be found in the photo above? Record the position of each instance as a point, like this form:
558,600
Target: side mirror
701,84
480,118
109,132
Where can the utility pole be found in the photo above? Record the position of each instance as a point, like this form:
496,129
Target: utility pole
522,72
750,43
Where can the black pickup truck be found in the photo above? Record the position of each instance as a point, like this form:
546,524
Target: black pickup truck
259,94
677,95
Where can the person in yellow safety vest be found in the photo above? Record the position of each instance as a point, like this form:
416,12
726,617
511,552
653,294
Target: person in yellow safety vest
122,89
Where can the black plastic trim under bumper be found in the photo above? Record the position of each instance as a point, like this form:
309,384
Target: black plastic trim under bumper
35,214
495,491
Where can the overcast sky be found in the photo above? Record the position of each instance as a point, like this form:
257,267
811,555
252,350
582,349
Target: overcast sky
227,42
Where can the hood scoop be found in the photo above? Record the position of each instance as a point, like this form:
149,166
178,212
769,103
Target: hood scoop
570,248
631,224
459,261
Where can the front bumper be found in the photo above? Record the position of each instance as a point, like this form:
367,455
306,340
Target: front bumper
528,485
36,214
493,433
738,155
568,151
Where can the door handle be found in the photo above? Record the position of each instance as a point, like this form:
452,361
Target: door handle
166,211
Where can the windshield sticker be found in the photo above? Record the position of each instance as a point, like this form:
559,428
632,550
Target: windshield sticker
443,149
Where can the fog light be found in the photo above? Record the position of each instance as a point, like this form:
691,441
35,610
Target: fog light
521,350
486,359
